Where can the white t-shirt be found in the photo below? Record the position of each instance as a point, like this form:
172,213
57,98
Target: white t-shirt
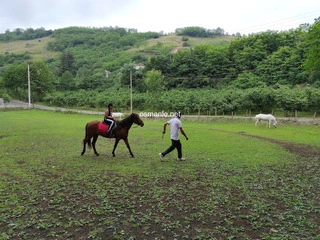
175,125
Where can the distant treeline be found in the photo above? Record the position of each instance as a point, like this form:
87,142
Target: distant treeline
111,38
22,34
205,101
30,33
199,32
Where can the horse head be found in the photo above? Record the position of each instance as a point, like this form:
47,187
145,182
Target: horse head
136,119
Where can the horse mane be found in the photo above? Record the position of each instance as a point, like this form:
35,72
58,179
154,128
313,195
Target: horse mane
126,121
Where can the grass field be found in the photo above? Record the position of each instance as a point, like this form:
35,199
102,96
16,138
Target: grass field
239,182
36,48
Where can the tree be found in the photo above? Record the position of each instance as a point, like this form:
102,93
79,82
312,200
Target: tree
161,63
15,79
66,82
291,99
261,99
183,64
153,81
6,98
82,77
67,63
212,61
41,80
125,74
247,80
313,99
283,66
250,56
312,63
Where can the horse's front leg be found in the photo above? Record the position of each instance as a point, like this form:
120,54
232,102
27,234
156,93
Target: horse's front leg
128,146
115,146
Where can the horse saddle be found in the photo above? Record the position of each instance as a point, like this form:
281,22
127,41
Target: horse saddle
103,127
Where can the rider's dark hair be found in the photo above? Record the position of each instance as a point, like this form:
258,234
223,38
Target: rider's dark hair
110,104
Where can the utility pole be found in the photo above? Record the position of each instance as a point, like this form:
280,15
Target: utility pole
131,90
29,87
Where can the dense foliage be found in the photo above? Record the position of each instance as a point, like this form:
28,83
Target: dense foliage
21,34
206,101
260,72
199,32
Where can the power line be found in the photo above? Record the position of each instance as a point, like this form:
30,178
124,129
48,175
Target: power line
282,22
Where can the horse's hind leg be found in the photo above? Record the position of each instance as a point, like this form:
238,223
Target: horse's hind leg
84,146
86,141
94,140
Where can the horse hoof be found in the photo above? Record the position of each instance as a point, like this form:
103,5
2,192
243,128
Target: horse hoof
82,153
132,156
97,154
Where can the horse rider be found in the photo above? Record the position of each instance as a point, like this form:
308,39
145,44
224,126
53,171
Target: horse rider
108,118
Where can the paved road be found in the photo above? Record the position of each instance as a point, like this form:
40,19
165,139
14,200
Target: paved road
24,105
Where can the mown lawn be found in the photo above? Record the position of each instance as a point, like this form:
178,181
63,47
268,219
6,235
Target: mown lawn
239,182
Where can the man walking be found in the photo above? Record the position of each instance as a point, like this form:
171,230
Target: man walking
175,127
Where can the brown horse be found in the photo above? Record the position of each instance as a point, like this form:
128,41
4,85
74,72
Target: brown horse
121,131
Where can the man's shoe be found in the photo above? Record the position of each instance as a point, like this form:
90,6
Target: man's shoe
161,157
181,159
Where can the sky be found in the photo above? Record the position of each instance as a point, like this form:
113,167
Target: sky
233,16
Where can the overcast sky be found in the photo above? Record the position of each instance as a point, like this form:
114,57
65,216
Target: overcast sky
244,16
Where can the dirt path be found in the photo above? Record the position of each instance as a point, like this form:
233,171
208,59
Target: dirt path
302,150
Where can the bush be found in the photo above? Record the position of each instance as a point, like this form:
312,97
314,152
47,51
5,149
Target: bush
6,98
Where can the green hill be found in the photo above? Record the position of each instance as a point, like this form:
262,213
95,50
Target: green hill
91,67
37,48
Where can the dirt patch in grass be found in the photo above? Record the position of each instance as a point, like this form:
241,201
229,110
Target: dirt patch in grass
302,150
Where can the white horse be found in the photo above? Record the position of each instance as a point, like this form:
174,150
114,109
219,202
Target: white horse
117,114
266,117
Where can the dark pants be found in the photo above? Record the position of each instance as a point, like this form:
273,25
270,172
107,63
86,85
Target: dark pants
109,122
174,144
